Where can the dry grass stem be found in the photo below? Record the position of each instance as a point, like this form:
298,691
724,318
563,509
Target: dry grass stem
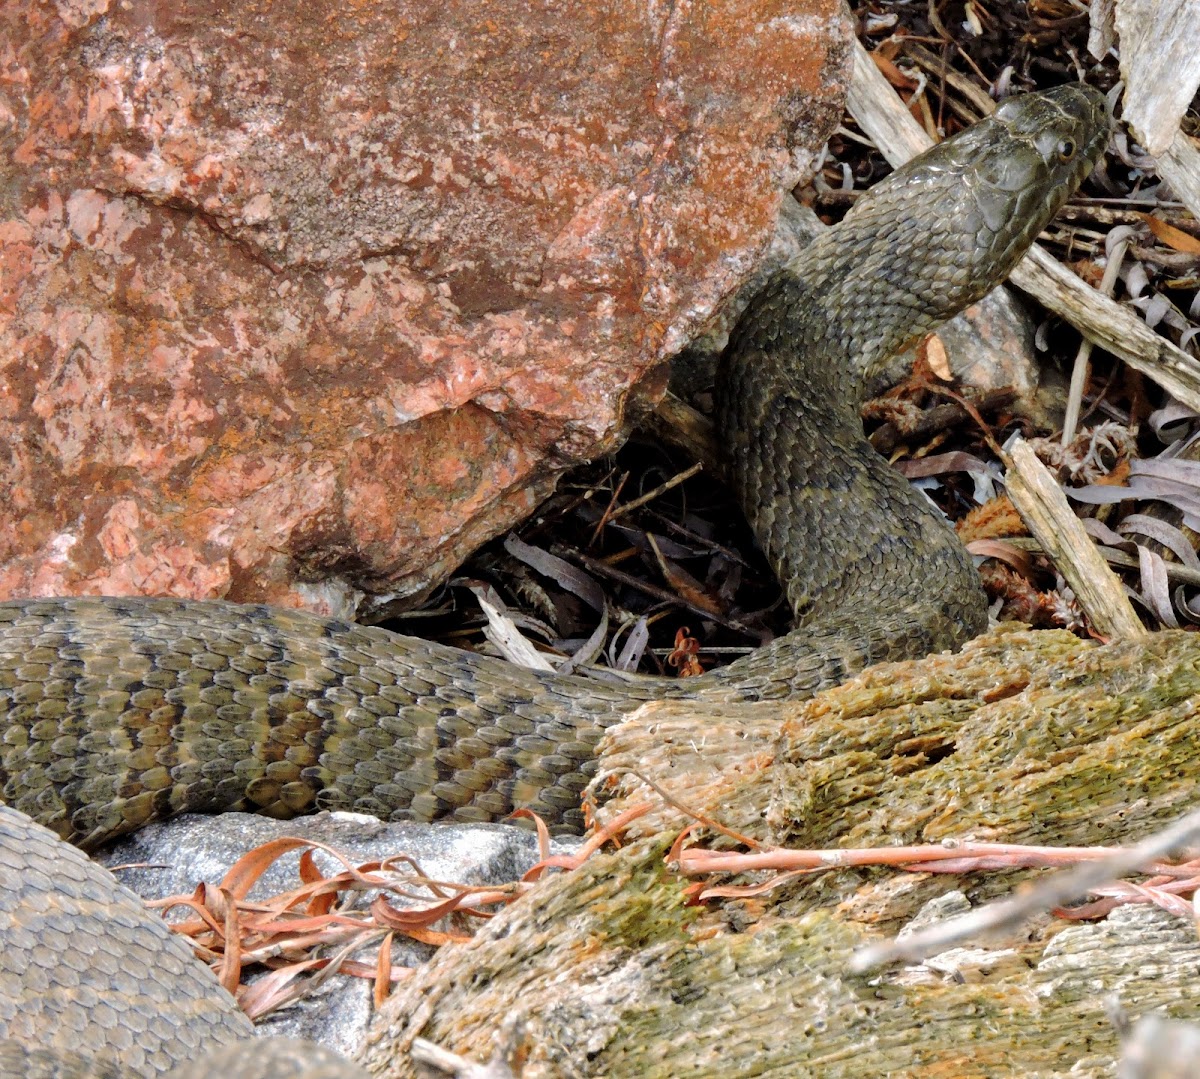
1051,893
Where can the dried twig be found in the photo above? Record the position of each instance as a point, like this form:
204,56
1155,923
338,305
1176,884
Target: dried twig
1110,325
1050,893
1044,508
506,1062
662,488
603,569
681,426
1080,368
967,856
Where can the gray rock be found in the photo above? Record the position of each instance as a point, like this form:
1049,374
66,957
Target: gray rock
173,857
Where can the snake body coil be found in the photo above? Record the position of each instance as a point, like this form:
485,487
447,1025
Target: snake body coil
119,711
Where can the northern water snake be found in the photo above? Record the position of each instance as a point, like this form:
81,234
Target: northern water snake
118,711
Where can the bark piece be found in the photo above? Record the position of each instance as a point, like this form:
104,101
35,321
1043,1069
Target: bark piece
1158,36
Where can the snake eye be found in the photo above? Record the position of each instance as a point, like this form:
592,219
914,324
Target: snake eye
1066,150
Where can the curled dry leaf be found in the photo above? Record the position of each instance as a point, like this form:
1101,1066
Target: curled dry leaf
1173,237
634,647
685,657
290,935
941,464
1016,557
1174,482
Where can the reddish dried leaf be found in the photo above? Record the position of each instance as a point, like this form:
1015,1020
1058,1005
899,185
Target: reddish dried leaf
543,833
244,873
687,587
271,991
383,970
230,973
233,934
594,842
892,73
1173,237
685,657
1118,477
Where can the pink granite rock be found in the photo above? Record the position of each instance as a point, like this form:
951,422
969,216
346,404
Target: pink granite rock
303,301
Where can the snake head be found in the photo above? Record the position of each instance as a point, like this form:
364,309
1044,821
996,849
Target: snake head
1021,164
925,242
942,231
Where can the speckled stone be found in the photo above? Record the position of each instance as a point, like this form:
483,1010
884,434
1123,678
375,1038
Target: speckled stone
300,300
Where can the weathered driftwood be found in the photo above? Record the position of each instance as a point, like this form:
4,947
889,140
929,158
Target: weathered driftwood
1023,737
1156,36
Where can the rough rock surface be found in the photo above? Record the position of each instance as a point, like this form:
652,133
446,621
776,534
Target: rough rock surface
302,301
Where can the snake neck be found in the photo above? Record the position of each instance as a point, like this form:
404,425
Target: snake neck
838,525
805,473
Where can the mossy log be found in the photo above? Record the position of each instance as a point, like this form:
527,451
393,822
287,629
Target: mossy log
1033,737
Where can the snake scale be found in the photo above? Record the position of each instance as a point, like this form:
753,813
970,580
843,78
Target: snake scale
117,711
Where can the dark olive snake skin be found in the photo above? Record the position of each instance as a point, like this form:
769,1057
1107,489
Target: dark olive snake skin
120,711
